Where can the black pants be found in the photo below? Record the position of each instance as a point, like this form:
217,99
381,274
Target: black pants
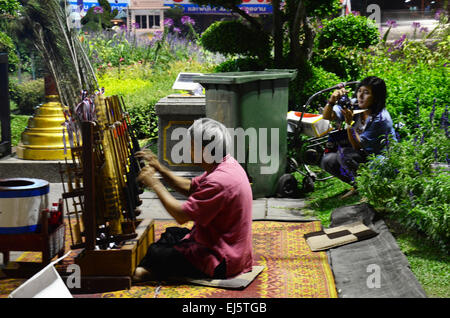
343,163
164,260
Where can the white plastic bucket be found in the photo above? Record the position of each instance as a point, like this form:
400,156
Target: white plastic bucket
21,200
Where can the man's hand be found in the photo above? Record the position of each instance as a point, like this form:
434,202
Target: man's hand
146,177
150,157
172,205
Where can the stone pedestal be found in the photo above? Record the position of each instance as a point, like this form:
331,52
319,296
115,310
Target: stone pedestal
175,111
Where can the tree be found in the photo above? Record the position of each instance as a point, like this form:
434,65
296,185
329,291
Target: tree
99,17
9,7
8,10
293,17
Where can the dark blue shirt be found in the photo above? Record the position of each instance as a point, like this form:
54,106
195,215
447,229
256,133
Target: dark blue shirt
374,132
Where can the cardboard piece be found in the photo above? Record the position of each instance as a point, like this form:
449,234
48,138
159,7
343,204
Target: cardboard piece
45,284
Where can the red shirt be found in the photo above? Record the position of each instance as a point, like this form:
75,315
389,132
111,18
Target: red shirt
221,207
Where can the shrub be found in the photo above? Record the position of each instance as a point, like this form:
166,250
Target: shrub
7,46
320,79
406,187
339,43
27,95
341,61
414,83
241,65
349,31
18,125
142,87
99,17
234,38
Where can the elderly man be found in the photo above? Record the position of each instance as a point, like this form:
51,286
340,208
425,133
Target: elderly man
219,245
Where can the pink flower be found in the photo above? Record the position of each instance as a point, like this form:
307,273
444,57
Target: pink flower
391,23
168,22
98,10
185,20
121,59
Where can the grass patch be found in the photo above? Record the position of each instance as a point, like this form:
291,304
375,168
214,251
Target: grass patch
18,125
430,265
326,197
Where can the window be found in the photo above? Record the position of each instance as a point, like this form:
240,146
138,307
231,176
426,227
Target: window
150,21
141,20
153,21
138,21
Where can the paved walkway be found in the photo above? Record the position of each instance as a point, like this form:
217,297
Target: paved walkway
263,209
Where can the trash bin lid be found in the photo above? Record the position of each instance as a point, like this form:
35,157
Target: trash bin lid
244,77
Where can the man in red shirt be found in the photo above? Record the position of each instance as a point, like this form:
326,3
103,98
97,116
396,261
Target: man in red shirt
219,245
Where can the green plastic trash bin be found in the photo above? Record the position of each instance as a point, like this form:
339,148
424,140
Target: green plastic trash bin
253,105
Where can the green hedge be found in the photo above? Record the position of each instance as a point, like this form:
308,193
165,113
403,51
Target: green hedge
416,80
234,38
241,65
350,31
27,95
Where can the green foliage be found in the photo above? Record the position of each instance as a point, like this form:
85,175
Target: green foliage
7,46
241,65
98,19
18,125
142,87
9,7
235,37
416,78
320,79
110,49
405,185
342,61
349,31
428,263
27,95
323,8
341,41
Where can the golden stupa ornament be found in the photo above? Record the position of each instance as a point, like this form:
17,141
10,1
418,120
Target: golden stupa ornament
43,137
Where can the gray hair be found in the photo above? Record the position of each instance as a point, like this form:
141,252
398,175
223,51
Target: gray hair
211,135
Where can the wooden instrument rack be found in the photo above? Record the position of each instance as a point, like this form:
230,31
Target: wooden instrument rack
105,269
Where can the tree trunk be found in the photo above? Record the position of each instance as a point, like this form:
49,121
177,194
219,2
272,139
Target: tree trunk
277,34
297,56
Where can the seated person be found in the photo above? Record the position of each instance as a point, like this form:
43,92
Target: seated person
366,131
219,245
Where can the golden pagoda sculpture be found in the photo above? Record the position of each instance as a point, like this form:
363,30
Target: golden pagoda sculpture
43,136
